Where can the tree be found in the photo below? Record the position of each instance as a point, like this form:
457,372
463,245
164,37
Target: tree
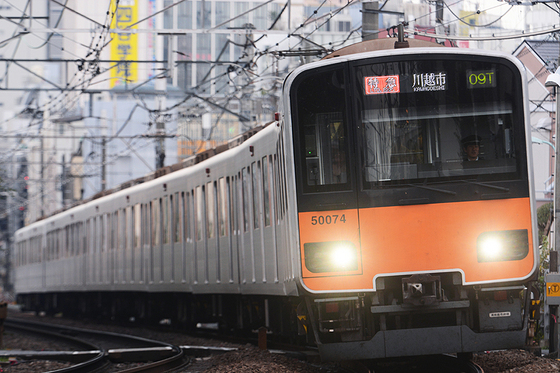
544,220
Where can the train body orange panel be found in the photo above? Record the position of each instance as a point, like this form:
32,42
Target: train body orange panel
421,238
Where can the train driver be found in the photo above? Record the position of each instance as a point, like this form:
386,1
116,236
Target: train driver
471,147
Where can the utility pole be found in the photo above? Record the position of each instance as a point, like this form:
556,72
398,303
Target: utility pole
370,20
440,28
42,155
552,279
160,142
103,167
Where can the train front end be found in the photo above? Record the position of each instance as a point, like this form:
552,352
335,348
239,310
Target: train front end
415,209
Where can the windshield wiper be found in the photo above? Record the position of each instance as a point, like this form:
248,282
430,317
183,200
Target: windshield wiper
504,189
434,189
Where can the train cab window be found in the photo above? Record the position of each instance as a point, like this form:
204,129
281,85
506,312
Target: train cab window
435,120
320,106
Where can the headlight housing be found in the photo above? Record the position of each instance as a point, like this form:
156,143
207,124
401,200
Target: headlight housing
336,256
500,246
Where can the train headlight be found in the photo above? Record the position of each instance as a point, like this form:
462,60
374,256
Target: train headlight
499,246
337,256
491,248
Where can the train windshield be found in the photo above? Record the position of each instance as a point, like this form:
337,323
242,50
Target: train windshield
381,131
430,120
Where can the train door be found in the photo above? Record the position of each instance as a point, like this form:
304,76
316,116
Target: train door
325,161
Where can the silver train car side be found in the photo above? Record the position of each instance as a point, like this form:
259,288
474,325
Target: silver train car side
217,227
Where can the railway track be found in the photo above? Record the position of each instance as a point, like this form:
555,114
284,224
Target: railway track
97,351
105,351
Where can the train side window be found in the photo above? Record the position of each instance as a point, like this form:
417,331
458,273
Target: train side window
276,184
90,236
71,243
245,195
95,248
282,169
113,223
87,237
145,237
108,232
255,171
83,238
155,222
69,240
146,227
223,206
280,180
79,240
125,229
116,228
233,217
49,246
176,218
210,210
54,243
198,207
187,217
31,250
103,232
35,251
65,236
137,225
266,190
72,239
182,215
60,248
229,206
165,219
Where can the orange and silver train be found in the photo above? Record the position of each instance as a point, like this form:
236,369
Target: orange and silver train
388,211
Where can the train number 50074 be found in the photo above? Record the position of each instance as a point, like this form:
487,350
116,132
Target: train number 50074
328,219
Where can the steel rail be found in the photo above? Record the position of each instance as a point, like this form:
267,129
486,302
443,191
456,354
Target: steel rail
162,356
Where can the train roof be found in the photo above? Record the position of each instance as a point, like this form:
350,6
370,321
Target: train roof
382,44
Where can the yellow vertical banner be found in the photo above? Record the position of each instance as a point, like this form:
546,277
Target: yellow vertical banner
124,46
